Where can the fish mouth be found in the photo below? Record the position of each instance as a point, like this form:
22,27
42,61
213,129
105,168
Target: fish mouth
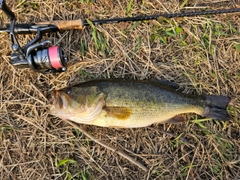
57,100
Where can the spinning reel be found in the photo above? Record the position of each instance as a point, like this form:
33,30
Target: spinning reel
39,56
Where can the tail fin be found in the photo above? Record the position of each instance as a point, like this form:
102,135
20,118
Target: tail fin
216,107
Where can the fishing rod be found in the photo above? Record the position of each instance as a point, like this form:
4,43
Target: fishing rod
45,58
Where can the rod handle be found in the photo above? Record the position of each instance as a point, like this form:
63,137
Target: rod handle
6,10
65,25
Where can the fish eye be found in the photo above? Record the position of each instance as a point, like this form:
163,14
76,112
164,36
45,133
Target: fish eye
68,90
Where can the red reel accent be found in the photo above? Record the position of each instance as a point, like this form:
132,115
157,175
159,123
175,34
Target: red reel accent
54,57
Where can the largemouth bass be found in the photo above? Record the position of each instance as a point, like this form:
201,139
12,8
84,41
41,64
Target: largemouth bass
129,104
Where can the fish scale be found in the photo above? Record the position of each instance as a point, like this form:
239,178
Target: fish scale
129,104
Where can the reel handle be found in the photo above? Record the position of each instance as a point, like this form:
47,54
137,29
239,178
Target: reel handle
6,10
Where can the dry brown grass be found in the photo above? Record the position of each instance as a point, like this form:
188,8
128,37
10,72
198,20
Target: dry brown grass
203,58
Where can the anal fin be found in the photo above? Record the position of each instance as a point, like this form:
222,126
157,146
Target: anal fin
176,120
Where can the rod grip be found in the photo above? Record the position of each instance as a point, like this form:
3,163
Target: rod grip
6,9
65,25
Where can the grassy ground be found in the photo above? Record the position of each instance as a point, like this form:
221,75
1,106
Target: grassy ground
201,54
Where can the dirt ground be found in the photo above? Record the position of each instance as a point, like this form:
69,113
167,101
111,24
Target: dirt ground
201,54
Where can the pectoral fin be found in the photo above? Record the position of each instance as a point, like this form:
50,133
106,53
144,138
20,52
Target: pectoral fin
121,113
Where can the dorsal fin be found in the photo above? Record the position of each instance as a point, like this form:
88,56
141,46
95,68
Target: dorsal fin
166,83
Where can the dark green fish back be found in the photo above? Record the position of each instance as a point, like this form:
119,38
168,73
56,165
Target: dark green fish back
144,91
